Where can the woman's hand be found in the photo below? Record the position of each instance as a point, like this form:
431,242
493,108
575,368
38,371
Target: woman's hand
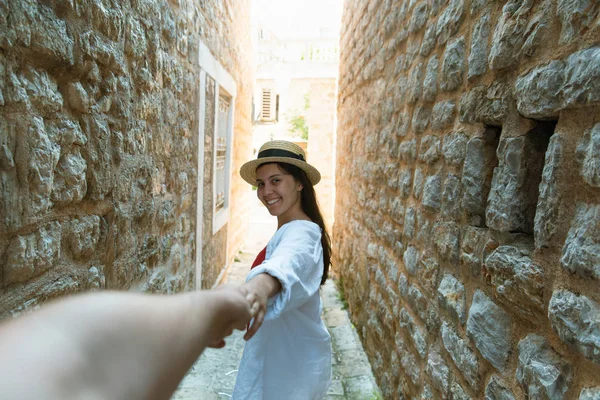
261,287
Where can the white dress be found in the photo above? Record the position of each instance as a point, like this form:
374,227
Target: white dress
289,357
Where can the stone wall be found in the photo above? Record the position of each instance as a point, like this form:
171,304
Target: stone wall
99,140
467,228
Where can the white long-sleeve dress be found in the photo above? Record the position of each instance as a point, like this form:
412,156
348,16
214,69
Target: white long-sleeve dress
290,355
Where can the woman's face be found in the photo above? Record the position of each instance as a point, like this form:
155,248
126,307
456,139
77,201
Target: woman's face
278,190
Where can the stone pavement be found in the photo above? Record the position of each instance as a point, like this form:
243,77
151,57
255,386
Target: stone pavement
213,375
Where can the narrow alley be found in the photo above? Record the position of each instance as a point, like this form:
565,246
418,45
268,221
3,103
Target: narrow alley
213,375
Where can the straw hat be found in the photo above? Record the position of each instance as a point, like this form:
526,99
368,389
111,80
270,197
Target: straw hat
283,152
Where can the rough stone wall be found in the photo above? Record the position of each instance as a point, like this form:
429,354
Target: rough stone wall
467,228
98,141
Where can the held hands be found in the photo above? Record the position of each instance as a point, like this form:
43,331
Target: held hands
262,287
237,306
235,309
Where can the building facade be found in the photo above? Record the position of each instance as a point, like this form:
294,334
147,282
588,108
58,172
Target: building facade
294,99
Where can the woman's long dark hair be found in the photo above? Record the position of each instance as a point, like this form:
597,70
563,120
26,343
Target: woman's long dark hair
310,206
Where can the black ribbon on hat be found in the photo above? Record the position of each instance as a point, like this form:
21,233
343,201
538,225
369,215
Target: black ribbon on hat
280,153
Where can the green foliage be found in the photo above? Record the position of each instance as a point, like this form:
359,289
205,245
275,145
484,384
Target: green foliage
298,125
341,295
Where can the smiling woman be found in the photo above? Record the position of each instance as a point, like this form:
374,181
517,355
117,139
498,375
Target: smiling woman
290,355
280,193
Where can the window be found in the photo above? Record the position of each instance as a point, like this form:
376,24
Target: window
220,152
216,116
268,105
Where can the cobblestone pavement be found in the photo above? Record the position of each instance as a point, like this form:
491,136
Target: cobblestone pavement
213,375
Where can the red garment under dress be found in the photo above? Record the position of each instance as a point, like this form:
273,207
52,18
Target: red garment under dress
259,258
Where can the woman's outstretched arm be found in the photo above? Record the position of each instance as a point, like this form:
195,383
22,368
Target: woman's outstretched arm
114,345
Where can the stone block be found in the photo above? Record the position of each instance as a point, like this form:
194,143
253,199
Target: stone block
576,17
490,328
397,210
10,202
451,197
463,356
400,65
42,91
427,392
477,5
31,255
515,185
488,105
560,84
430,83
418,181
438,372
70,183
83,235
42,158
457,392
588,155
450,20
581,252
576,320
427,311
98,157
547,210
96,278
107,20
453,65
415,83
428,274
419,17
451,295
411,259
420,119
423,228
428,42
519,282
400,89
42,32
403,285
409,223
498,390
402,124
518,34
432,192
454,148
430,149
590,393
442,115
408,151
480,160
538,92
405,182
479,47
541,371
417,334
446,238
103,51
476,244
408,361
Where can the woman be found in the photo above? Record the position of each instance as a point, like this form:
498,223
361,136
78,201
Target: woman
290,356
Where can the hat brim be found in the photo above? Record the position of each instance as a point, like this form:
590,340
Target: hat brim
248,170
